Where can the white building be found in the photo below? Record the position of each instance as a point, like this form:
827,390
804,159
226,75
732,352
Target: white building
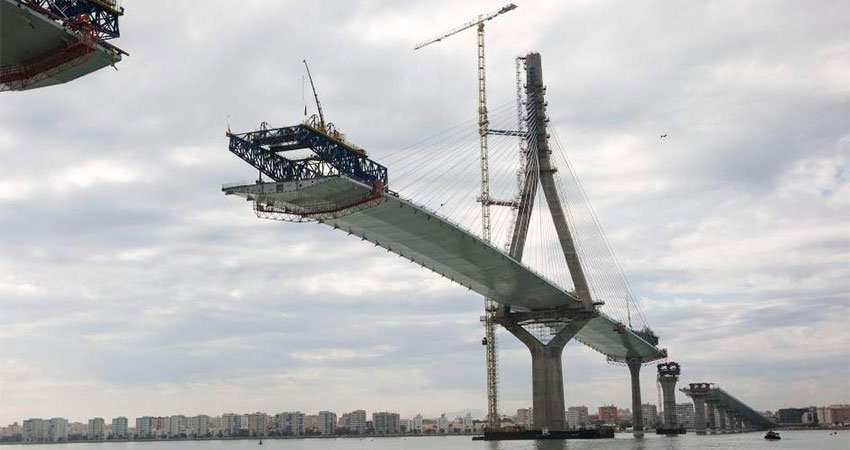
144,427
650,415
97,429
34,430
577,416
176,426
258,424
525,417
417,423
388,423
199,426
119,428
56,430
326,423
290,423
685,415
230,424
357,422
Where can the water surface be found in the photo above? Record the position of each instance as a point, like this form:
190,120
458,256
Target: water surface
815,440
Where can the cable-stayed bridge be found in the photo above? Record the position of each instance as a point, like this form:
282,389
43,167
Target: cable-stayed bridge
555,279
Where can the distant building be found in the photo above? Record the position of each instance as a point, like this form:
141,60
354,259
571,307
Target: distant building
388,422
77,429
608,414
11,430
466,424
685,415
525,417
650,415
833,415
144,427
624,414
33,430
416,425
311,424
290,423
176,426
326,423
159,426
357,422
119,428
199,426
230,424
792,416
97,429
258,424
577,416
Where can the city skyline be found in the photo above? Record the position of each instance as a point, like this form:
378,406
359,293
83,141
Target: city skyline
129,285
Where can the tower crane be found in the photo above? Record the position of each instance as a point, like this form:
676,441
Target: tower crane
490,306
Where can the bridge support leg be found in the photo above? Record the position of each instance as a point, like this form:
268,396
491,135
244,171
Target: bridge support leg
710,412
547,378
721,418
637,412
699,414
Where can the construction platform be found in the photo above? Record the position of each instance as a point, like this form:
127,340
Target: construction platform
43,43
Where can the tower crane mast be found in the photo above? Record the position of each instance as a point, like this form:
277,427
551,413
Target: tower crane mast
490,306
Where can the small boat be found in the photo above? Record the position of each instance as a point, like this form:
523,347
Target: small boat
772,436
260,443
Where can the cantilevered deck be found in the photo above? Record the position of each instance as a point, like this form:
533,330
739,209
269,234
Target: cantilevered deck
38,48
422,236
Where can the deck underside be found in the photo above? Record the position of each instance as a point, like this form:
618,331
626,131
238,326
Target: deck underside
415,233
26,35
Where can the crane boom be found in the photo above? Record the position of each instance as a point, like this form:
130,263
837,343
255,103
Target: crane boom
316,96
481,19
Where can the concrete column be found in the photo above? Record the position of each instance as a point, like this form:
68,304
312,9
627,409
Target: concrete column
637,412
668,375
711,409
547,378
721,418
699,414
733,421
699,392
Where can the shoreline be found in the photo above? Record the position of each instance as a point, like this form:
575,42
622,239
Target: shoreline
246,438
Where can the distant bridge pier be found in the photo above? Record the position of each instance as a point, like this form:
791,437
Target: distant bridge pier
668,375
721,419
547,378
711,412
734,422
699,392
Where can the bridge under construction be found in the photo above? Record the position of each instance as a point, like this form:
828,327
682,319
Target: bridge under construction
48,42
337,184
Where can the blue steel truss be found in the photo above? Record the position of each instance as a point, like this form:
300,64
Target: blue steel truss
101,14
332,157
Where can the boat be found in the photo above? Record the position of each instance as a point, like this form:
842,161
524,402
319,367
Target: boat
260,443
772,436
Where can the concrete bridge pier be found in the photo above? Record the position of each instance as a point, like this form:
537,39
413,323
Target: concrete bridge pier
721,419
547,378
637,413
699,392
668,375
734,422
711,411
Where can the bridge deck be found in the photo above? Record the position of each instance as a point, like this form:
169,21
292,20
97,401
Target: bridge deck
729,402
415,233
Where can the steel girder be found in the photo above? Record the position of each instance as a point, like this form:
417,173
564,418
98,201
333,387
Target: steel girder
103,18
260,149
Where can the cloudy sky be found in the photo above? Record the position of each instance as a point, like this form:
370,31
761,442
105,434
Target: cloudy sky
130,285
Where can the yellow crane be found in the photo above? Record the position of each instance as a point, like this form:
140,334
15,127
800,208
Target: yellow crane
493,418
